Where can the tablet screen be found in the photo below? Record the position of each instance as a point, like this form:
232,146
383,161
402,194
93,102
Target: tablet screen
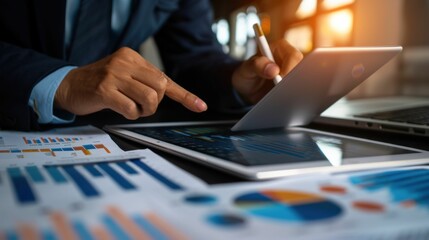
267,147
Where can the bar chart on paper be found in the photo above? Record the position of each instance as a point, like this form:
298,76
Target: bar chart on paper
80,142
409,188
40,140
88,199
85,150
32,184
110,223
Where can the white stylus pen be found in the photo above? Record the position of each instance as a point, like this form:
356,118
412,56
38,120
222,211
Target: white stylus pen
264,47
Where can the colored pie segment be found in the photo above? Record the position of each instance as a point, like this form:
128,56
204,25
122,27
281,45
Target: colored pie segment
292,206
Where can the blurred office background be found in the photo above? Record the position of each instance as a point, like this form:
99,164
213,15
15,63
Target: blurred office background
308,24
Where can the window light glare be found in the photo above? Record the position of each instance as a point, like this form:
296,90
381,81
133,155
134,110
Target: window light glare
341,22
306,8
330,4
222,33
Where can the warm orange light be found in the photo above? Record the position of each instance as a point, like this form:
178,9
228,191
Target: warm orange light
265,23
306,8
329,4
341,22
301,38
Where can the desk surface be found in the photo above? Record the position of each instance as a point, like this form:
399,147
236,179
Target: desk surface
213,176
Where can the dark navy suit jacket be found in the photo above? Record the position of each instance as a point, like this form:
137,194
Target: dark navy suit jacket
32,46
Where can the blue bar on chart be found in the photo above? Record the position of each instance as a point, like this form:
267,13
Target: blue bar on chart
81,182
92,170
410,187
88,146
149,228
49,235
164,180
22,188
11,235
82,231
114,227
35,174
127,168
27,141
118,178
380,180
55,174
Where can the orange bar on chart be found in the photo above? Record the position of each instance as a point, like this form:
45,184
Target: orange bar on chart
100,233
128,225
45,150
409,203
62,226
368,206
165,228
102,146
28,232
333,189
30,150
80,148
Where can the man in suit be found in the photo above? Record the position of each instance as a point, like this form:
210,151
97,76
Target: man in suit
57,60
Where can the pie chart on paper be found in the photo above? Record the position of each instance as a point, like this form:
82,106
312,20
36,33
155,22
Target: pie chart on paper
287,206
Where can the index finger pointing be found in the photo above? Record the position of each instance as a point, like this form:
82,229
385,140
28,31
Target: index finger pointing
181,95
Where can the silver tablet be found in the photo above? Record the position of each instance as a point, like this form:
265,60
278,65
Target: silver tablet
320,79
268,153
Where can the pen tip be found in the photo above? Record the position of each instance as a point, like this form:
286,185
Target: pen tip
258,30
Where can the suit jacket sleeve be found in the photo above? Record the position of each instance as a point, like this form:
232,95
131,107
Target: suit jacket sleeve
20,70
193,57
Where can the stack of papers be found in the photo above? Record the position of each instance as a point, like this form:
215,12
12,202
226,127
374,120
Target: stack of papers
78,184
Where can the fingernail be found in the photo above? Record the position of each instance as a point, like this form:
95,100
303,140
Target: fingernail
271,70
200,104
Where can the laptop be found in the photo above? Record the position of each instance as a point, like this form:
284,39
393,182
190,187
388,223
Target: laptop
403,113
400,114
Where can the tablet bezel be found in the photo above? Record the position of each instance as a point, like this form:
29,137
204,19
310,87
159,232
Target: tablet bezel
270,171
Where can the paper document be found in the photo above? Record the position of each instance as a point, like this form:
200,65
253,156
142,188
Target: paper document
65,145
389,204
59,143
92,198
106,193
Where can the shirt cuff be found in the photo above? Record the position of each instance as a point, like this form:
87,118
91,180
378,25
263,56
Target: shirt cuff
42,98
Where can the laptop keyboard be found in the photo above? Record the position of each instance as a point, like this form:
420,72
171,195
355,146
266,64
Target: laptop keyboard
418,115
